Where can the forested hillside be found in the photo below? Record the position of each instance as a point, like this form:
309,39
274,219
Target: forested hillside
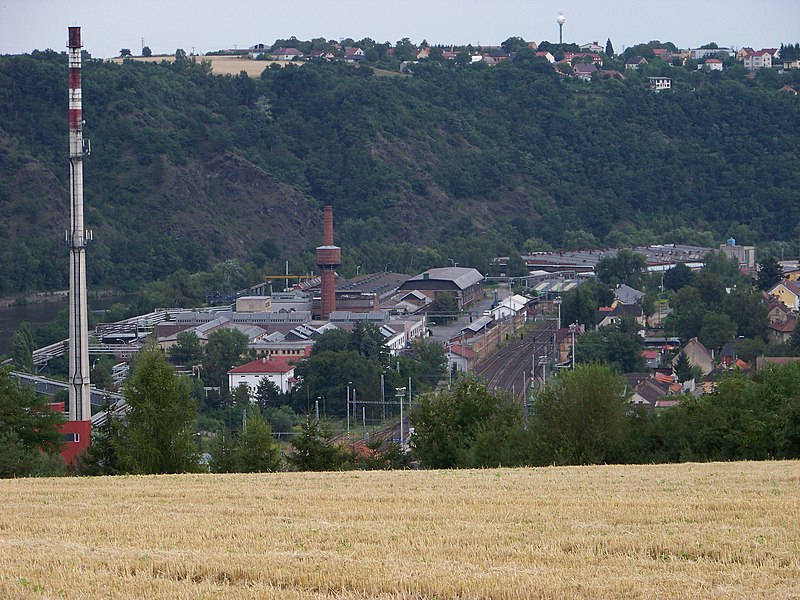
459,162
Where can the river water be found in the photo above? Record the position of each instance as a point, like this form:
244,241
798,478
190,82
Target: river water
42,314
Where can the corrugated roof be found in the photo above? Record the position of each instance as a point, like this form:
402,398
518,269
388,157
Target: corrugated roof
461,276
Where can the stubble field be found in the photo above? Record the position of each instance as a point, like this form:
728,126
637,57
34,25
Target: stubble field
680,531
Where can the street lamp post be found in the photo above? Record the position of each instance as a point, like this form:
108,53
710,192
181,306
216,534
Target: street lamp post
572,329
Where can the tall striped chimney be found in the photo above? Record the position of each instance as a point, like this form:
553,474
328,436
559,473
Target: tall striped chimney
329,257
79,391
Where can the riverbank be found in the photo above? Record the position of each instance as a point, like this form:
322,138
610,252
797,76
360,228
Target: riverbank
53,296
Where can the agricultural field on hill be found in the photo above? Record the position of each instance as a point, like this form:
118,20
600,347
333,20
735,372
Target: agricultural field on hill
220,65
692,530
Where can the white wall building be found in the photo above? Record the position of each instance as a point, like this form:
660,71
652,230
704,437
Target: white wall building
277,370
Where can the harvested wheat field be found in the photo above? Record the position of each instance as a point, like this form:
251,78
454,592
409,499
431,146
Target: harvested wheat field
695,530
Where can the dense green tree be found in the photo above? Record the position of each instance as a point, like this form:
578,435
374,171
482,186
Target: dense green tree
335,340
102,375
581,304
678,276
609,48
443,309
618,345
186,350
368,341
223,351
22,347
267,395
30,439
255,450
683,368
159,423
103,457
146,51
516,266
770,272
430,360
312,449
580,417
513,44
469,426
718,263
626,267
745,307
326,375
717,330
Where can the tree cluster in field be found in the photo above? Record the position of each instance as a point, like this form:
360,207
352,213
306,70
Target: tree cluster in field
543,161
584,417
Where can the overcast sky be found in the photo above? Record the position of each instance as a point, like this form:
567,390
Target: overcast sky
204,25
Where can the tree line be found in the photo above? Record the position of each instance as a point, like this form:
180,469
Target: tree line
511,140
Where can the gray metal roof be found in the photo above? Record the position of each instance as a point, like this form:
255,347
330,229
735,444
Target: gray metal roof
461,276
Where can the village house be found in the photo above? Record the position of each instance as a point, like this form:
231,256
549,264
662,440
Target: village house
547,56
712,64
761,59
659,84
592,47
277,370
609,315
787,292
584,71
635,62
287,54
698,356
353,55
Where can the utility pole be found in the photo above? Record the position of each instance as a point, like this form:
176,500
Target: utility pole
349,383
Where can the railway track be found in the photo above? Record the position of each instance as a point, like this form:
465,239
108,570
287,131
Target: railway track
511,368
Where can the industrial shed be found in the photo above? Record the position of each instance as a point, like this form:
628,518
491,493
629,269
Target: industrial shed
465,284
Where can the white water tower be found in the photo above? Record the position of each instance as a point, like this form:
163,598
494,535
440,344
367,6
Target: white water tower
561,19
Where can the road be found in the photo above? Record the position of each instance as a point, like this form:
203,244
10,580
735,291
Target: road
443,333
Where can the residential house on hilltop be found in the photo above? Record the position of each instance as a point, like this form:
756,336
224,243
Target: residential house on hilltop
592,47
635,62
547,56
712,64
353,55
662,54
659,84
322,54
287,54
760,59
584,71
701,53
